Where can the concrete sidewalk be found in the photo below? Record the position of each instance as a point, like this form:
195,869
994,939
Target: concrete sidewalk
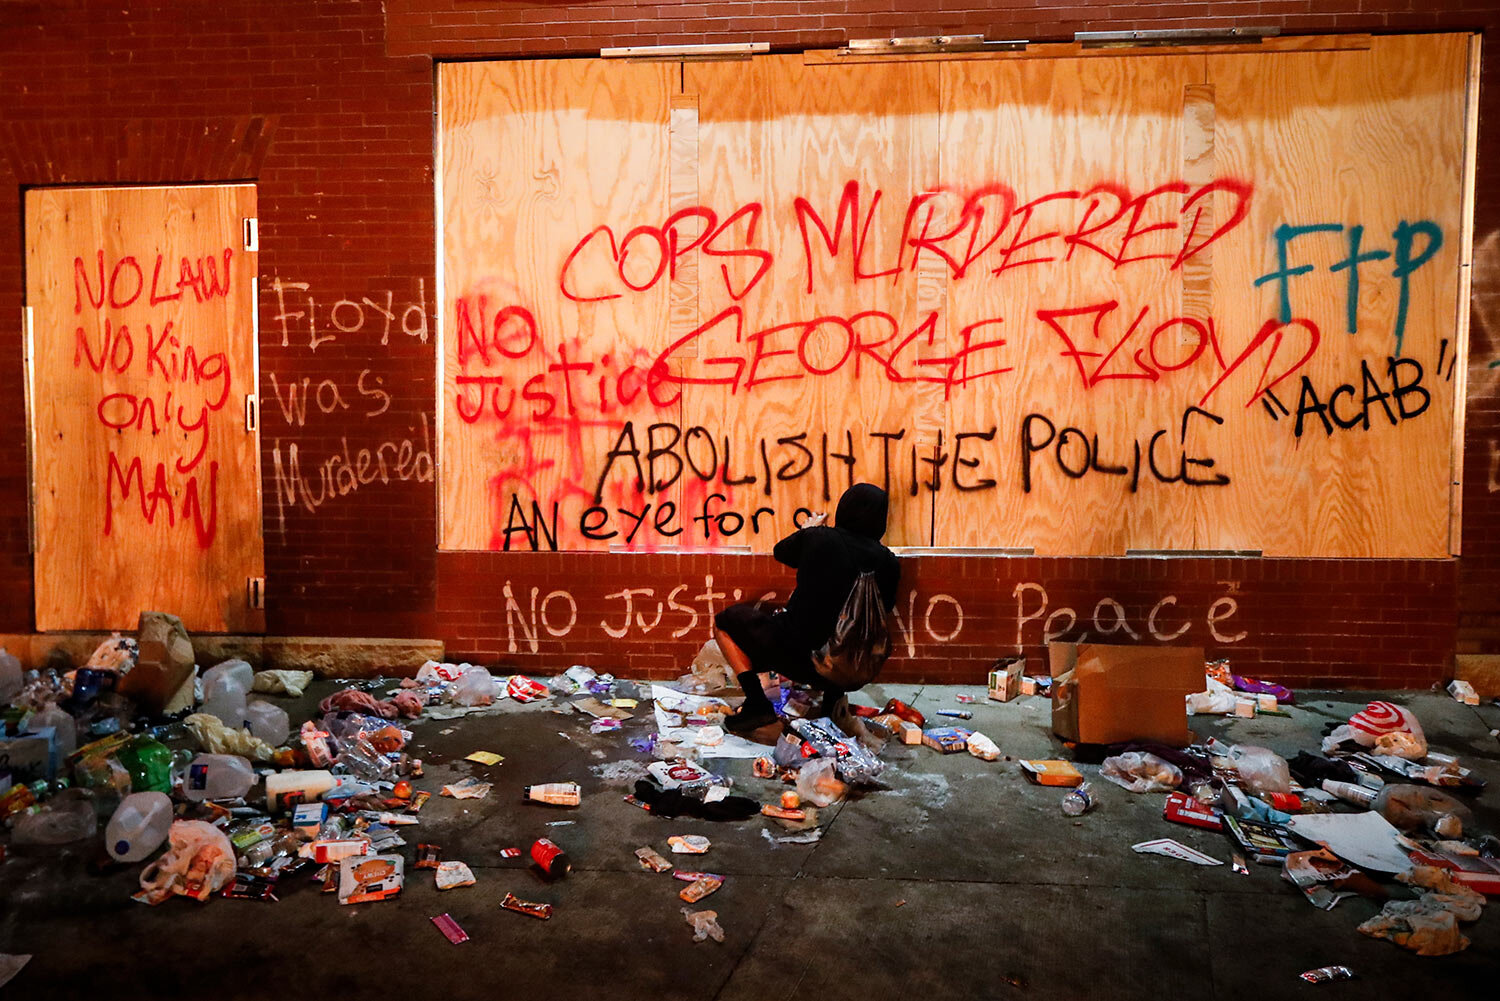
954,879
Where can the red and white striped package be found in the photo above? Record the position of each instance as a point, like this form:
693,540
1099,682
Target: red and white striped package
1381,718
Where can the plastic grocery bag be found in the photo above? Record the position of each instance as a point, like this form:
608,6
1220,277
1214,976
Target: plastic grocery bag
474,687
1139,771
1384,726
197,863
852,760
818,784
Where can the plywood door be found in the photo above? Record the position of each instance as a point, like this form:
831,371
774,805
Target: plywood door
146,480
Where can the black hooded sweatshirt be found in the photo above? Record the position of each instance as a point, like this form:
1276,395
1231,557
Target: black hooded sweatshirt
828,559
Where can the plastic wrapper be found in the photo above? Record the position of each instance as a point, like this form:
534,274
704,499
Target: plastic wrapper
1139,771
818,784
281,682
1418,809
383,736
474,687
710,671
216,738
1261,769
983,747
705,924
524,689
67,817
198,861
853,761
117,654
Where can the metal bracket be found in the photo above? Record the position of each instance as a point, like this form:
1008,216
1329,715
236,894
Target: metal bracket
252,235
252,412
255,592
1174,36
928,43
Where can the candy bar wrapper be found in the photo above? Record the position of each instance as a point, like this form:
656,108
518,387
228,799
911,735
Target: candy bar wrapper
688,844
526,907
700,888
428,856
651,859
418,800
450,928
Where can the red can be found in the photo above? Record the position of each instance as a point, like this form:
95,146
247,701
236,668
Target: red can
551,859
1286,802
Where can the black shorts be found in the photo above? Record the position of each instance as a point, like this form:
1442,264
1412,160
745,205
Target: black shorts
756,630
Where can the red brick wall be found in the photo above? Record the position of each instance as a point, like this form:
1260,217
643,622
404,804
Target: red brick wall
328,106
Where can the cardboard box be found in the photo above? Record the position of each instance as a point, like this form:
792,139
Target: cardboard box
1104,694
1005,678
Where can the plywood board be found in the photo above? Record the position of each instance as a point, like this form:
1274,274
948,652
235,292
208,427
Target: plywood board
146,480
1035,297
548,168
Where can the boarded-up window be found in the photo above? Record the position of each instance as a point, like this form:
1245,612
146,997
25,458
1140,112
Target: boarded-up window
1065,301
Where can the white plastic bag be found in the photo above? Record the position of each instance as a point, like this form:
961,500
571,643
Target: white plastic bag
1139,771
198,861
474,687
1386,727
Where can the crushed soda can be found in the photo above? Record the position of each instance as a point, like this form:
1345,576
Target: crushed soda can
1324,974
526,907
700,888
651,859
450,928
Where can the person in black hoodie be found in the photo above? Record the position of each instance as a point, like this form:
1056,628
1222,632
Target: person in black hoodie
828,559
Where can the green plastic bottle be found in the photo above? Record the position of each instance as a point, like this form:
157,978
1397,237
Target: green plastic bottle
149,763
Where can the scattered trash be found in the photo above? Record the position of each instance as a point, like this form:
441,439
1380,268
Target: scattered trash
705,925
700,888
956,713
688,844
1174,849
523,689
651,859
470,788
1180,808
947,739
428,857
1384,726
1077,801
451,875
450,929
550,859
553,793
1324,974
1463,692
198,861
1051,773
983,747
485,757
526,907
1139,772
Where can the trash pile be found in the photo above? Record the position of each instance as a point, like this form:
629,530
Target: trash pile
1375,814
206,784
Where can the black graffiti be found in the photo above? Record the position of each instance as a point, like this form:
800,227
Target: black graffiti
1348,407
1076,453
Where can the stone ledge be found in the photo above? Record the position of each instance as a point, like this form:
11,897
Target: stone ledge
325,656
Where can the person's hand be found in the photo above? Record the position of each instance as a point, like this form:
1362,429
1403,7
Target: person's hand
815,519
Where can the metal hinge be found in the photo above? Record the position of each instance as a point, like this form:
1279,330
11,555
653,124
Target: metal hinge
252,234
252,412
255,592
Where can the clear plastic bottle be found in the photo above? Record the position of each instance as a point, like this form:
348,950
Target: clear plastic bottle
138,826
217,776
268,722
1078,801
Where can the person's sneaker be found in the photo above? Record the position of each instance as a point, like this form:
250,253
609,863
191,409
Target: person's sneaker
742,722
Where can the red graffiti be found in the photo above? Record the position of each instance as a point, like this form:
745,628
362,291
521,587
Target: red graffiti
127,281
159,497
